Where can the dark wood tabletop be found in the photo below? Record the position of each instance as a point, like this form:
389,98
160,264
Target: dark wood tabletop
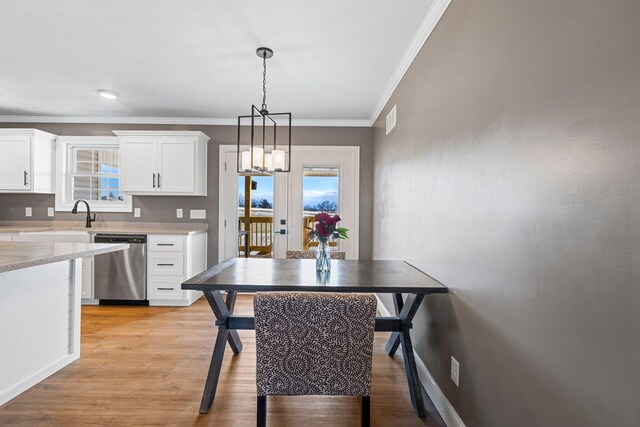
256,274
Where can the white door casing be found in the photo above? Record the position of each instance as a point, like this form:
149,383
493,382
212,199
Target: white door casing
228,227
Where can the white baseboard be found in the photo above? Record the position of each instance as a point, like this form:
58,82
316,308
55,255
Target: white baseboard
440,401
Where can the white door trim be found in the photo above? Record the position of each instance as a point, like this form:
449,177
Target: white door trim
224,149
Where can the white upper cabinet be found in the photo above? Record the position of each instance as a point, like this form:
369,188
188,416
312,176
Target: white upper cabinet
163,163
139,163
26,161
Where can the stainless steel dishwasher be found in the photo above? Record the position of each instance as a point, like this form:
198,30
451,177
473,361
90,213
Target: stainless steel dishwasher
121,277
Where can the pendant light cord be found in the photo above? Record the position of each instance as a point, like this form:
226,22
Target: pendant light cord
264,81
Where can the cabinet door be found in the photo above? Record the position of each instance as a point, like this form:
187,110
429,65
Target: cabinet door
139,165
15,162
177,165
87,277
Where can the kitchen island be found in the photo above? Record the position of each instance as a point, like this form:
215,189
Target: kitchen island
40,291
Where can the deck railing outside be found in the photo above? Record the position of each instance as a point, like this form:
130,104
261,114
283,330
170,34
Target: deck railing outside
261,234
307,223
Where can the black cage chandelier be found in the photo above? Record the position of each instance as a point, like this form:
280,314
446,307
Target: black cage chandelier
264,157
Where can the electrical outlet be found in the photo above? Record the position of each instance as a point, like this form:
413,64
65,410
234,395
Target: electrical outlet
198,214
178,213
455,371
28,211
50,212
136,212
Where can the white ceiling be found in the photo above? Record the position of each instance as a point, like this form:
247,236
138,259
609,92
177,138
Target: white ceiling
196,58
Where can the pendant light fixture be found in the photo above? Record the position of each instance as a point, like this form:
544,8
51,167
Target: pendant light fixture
264,156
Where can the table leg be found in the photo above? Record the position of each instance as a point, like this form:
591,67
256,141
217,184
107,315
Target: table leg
394,339
406,316
234,339
222,310
213,375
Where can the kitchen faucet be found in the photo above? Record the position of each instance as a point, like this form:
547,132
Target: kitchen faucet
89,220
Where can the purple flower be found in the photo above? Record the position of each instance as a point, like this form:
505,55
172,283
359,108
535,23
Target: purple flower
333,220
322,230
322,217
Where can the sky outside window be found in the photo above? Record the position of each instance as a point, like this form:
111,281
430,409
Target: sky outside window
320,189
263,192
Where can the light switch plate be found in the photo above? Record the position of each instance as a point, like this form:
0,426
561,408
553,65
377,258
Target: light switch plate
28,211
178,213
136,212
198,214
50,212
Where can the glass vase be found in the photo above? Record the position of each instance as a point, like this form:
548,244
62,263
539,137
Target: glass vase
323,257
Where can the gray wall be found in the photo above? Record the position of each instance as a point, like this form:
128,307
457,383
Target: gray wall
163,209
513,177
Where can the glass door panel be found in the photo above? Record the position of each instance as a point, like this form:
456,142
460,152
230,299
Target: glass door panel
255,216
320,191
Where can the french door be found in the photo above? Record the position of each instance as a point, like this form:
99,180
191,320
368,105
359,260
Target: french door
322,179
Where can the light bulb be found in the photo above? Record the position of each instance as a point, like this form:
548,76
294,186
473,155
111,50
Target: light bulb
268,162
246,160
258,157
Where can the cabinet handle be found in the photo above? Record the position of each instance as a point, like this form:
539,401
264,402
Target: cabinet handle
25,178
158,180
165,244
166,265
154,180
165,289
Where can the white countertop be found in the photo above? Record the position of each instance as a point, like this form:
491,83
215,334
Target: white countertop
19,255
104,227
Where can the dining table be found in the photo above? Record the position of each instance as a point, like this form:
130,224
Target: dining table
407,284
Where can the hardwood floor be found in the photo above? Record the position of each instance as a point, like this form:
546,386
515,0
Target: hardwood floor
147,366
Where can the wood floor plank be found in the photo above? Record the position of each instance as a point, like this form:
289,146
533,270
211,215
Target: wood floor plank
147,366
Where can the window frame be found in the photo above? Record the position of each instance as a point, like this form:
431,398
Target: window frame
64,163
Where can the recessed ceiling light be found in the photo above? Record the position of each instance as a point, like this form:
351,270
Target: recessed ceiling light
109,94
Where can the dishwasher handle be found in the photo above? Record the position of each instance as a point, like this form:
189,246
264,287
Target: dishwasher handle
105,238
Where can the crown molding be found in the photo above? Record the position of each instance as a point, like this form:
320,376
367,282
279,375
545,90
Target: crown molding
424,31
172,121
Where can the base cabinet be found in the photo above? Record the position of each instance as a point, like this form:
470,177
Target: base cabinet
171,260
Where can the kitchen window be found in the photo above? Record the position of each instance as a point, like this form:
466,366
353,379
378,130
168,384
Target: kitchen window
89,169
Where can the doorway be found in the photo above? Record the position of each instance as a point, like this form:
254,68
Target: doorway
322,179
